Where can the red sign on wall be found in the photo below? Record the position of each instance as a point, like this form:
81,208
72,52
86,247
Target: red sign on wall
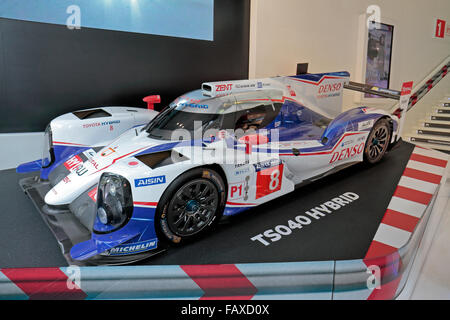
441,29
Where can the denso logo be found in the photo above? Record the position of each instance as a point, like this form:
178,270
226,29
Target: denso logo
347,153
143,182
330,87
224,87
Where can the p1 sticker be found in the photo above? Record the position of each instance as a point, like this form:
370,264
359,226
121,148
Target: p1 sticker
236,190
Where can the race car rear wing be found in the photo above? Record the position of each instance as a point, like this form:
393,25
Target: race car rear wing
366,88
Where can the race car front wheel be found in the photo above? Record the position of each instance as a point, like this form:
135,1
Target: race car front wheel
190,206
377,142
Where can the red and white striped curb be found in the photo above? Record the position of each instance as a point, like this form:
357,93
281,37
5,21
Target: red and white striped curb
417,186
295,280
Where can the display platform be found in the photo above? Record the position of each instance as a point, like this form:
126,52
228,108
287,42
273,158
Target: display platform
342,230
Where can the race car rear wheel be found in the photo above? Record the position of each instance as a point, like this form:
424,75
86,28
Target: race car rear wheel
190,206
377,142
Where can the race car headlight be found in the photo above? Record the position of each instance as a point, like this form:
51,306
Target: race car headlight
114,203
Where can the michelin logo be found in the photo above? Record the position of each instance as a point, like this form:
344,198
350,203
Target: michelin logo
131,248
144,182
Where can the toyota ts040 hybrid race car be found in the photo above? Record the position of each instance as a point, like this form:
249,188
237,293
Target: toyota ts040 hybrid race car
117,184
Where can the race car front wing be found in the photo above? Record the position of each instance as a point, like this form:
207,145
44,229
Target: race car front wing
70,223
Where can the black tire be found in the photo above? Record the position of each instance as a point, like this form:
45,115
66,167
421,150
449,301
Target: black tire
377,142
184,214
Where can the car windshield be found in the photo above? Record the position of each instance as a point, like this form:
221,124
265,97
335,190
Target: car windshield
189,113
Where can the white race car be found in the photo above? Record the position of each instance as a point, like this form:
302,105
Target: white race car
117,184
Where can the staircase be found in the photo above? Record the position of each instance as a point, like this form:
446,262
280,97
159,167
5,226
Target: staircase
434,131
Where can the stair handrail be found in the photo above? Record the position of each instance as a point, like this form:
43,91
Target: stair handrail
428,83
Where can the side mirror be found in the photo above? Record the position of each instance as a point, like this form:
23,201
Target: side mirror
151,100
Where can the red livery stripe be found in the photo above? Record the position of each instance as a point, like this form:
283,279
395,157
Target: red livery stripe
222,281
240,204
69,143
146,203
400,220
319,82
413,195
429,160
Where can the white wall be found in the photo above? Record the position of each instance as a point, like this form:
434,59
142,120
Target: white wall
325,34
18,148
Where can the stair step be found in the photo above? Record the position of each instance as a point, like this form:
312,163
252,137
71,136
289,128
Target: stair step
441,110
440,117
437,140
444,149
433,132
434,137
436,124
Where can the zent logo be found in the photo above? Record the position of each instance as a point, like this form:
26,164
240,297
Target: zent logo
144,182
224,87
